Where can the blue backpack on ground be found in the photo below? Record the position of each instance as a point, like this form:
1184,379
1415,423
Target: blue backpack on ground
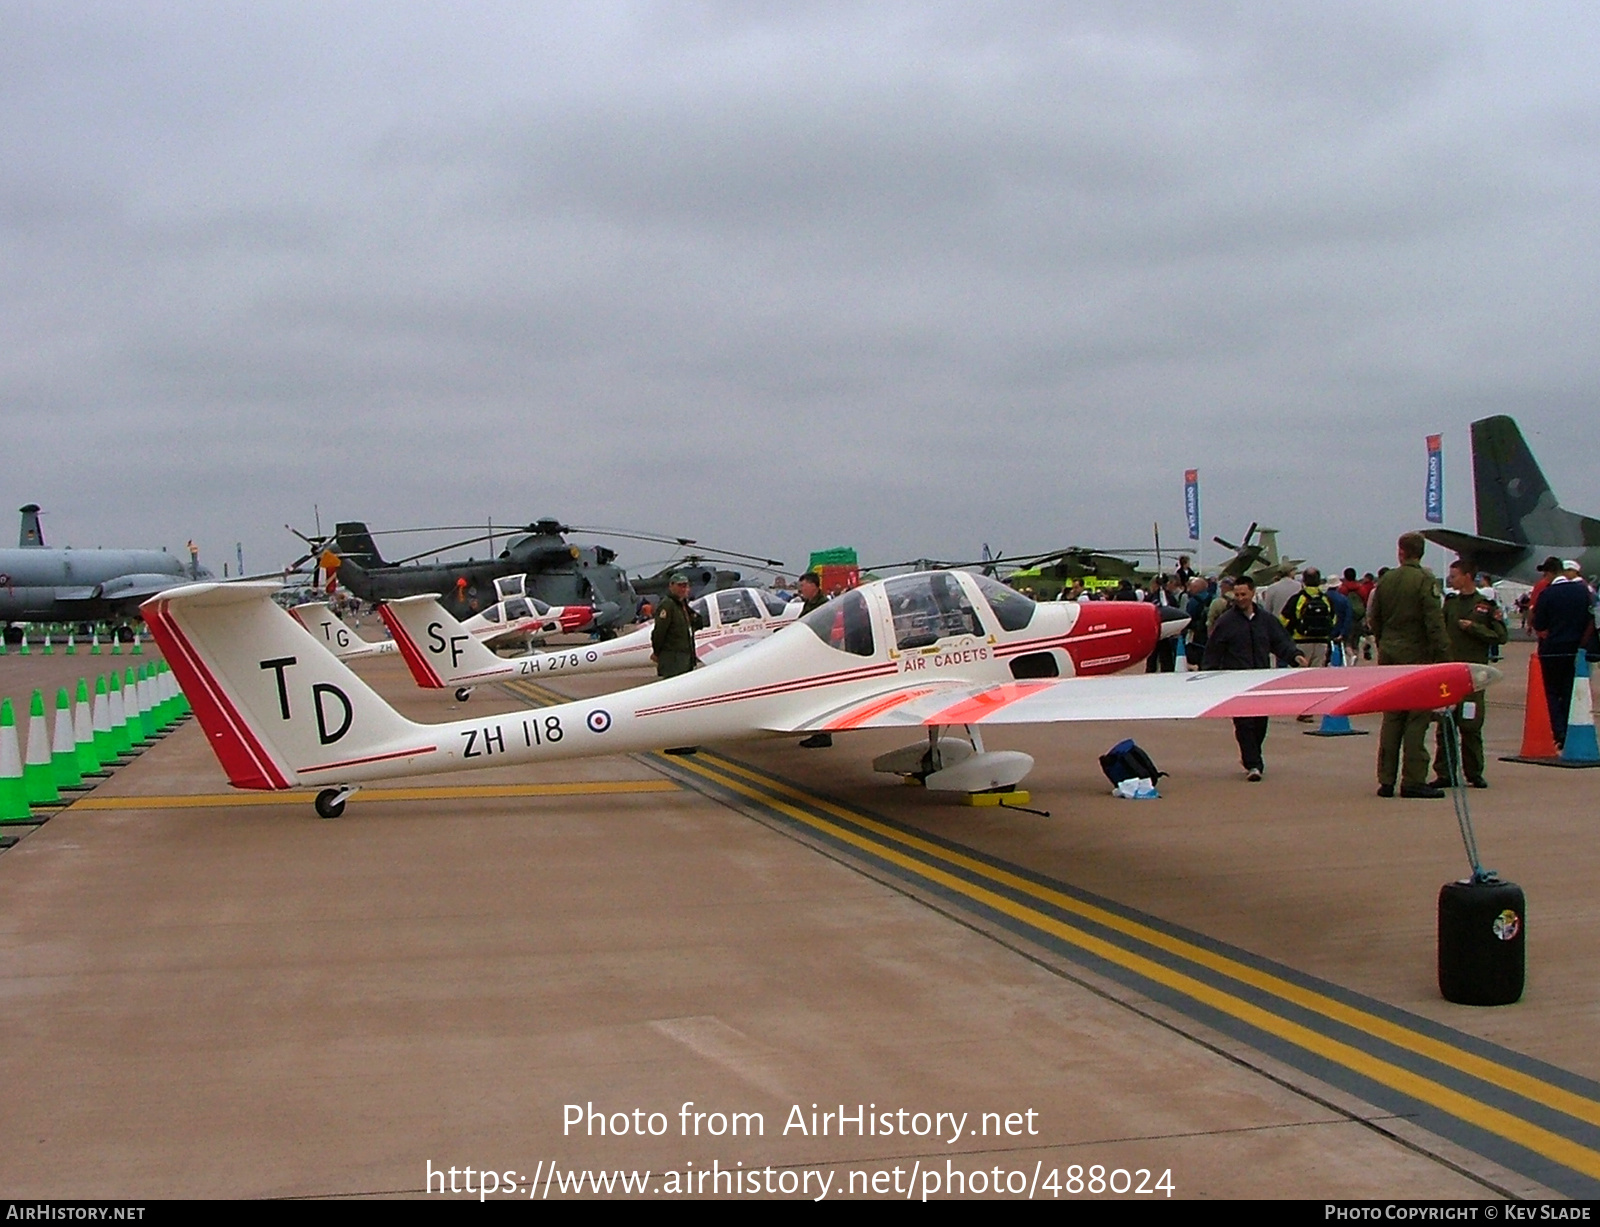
1126,761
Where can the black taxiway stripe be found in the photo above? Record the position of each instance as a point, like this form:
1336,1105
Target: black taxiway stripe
1527,1116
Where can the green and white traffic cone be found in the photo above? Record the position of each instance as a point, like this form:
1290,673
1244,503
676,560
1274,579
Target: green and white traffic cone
105,736
13,793
158,700
147,700
72,642
138,727
25,650
138,641
144,727
182,699
165,707
116,642
38,776
94,643
64,746
49,647
83,733
117,704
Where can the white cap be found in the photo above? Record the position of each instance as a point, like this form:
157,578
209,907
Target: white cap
1568,564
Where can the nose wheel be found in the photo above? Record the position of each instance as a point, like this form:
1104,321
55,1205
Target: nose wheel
330,802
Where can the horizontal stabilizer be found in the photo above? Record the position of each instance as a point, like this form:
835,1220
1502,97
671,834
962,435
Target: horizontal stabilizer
1483,553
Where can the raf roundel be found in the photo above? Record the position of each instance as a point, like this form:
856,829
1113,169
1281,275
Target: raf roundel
598,721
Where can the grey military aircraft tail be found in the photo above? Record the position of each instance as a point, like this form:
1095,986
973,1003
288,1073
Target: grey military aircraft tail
32,535
1520,523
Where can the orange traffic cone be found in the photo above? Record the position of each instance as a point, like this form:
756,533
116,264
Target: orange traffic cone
1538,740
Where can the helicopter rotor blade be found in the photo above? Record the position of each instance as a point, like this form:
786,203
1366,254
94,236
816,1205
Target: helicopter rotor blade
681,542
658,538
509,527
440,549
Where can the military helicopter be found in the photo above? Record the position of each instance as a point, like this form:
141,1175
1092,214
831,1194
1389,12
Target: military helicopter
559,573
1046,575
703,578
1260,561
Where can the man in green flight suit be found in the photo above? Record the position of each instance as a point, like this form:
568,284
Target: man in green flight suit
1474,625
812,597
1407,619
672,639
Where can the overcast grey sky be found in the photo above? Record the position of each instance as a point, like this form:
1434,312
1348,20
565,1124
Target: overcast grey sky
786,276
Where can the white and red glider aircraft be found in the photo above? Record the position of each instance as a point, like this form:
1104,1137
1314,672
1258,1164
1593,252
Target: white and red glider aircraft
441,653
335,634
931,651
516,615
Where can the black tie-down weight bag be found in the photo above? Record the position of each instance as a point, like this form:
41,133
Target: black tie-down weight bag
1483,930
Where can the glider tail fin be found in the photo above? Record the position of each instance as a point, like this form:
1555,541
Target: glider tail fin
438,649
276,708
328,629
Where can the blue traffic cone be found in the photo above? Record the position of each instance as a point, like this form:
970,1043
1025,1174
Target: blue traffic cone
1580,746
1335,726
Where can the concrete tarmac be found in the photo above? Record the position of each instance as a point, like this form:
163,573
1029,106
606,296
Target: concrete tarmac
207,997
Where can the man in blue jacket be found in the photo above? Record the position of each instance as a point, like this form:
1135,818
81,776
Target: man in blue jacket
1563,619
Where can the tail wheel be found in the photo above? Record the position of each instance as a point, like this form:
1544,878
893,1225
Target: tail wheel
329,803
463,693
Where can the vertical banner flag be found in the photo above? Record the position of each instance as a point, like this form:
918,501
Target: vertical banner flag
1433,500
1191,501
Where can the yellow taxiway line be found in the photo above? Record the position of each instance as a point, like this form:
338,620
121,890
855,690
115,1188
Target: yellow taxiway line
881,842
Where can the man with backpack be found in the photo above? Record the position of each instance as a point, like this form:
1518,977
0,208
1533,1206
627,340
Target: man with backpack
1310,618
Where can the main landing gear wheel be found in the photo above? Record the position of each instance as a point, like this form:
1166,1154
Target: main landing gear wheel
330,803
463,693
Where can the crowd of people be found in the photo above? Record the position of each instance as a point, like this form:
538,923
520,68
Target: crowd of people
1401,615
